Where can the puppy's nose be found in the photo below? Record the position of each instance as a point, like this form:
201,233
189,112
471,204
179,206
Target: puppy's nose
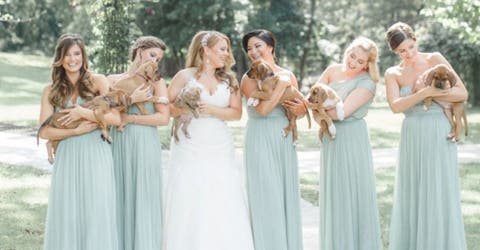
439,85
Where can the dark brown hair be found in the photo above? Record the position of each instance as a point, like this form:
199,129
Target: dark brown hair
397,33
146,42
62,89
261,34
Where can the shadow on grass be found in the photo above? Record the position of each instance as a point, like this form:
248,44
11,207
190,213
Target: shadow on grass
23,199
385,179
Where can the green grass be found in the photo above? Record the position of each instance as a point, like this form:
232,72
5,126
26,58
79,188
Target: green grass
470,188
22,78
23,204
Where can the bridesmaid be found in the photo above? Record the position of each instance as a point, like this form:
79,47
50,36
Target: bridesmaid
426,209
348,204
137,155
81,210
270,158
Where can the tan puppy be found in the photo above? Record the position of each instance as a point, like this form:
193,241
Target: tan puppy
100,106
267,80
320,97
440,76
188,98
146,74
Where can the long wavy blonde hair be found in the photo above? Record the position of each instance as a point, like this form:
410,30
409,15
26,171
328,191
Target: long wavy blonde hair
62,89
195,56
370,47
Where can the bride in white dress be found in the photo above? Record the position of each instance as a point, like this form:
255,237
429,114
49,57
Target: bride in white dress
205,202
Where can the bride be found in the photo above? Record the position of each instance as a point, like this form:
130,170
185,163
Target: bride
205,202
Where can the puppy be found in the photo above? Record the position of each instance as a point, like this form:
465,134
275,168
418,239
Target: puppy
146,74
188,98
266,83
440,76
320,97
100,106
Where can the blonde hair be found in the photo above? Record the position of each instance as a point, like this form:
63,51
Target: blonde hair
370,47
196,52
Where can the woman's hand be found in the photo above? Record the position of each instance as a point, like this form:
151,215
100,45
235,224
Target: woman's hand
206,109
331,111
295,106
141,94
85,127
71,114
431,91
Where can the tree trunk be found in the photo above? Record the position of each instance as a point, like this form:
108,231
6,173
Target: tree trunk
306,48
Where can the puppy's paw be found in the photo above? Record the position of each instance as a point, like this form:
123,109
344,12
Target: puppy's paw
252,102
425,108
295,143
333,130
340,111
51,160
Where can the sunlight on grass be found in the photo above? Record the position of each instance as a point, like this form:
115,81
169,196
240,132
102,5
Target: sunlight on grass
23,204
385,177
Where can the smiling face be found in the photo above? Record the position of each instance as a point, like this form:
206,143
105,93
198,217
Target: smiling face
218,53
356,60
72,61
258,49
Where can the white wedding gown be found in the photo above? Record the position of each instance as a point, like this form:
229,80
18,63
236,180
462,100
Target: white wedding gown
205,199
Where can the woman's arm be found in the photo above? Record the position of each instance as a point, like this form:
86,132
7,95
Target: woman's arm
399,104
230,113
458,92
356,99
176,85
49,133
101,84
264,107
162,112
297,106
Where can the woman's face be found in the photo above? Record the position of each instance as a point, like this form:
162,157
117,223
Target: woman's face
218,53
258,49
73,60
356,60
154,54
407,50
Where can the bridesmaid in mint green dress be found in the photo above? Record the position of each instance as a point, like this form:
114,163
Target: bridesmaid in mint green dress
426,209
81,209
270,158
348,204
137,155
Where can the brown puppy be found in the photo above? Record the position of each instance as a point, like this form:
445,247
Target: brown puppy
440,76
100,106
320,97
267,80
146,74
188,98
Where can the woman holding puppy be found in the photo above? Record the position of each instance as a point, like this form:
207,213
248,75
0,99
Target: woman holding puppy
205,203
81,209
137,155
270,158
426,209
348,204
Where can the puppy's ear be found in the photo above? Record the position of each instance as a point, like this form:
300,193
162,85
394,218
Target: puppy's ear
451,78
430,76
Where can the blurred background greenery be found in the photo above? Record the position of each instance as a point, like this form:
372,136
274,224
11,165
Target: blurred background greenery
311,34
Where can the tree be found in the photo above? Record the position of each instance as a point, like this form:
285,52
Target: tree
111,27
177,21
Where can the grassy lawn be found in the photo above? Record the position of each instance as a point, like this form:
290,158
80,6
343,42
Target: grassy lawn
470,184
23,204
22,78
